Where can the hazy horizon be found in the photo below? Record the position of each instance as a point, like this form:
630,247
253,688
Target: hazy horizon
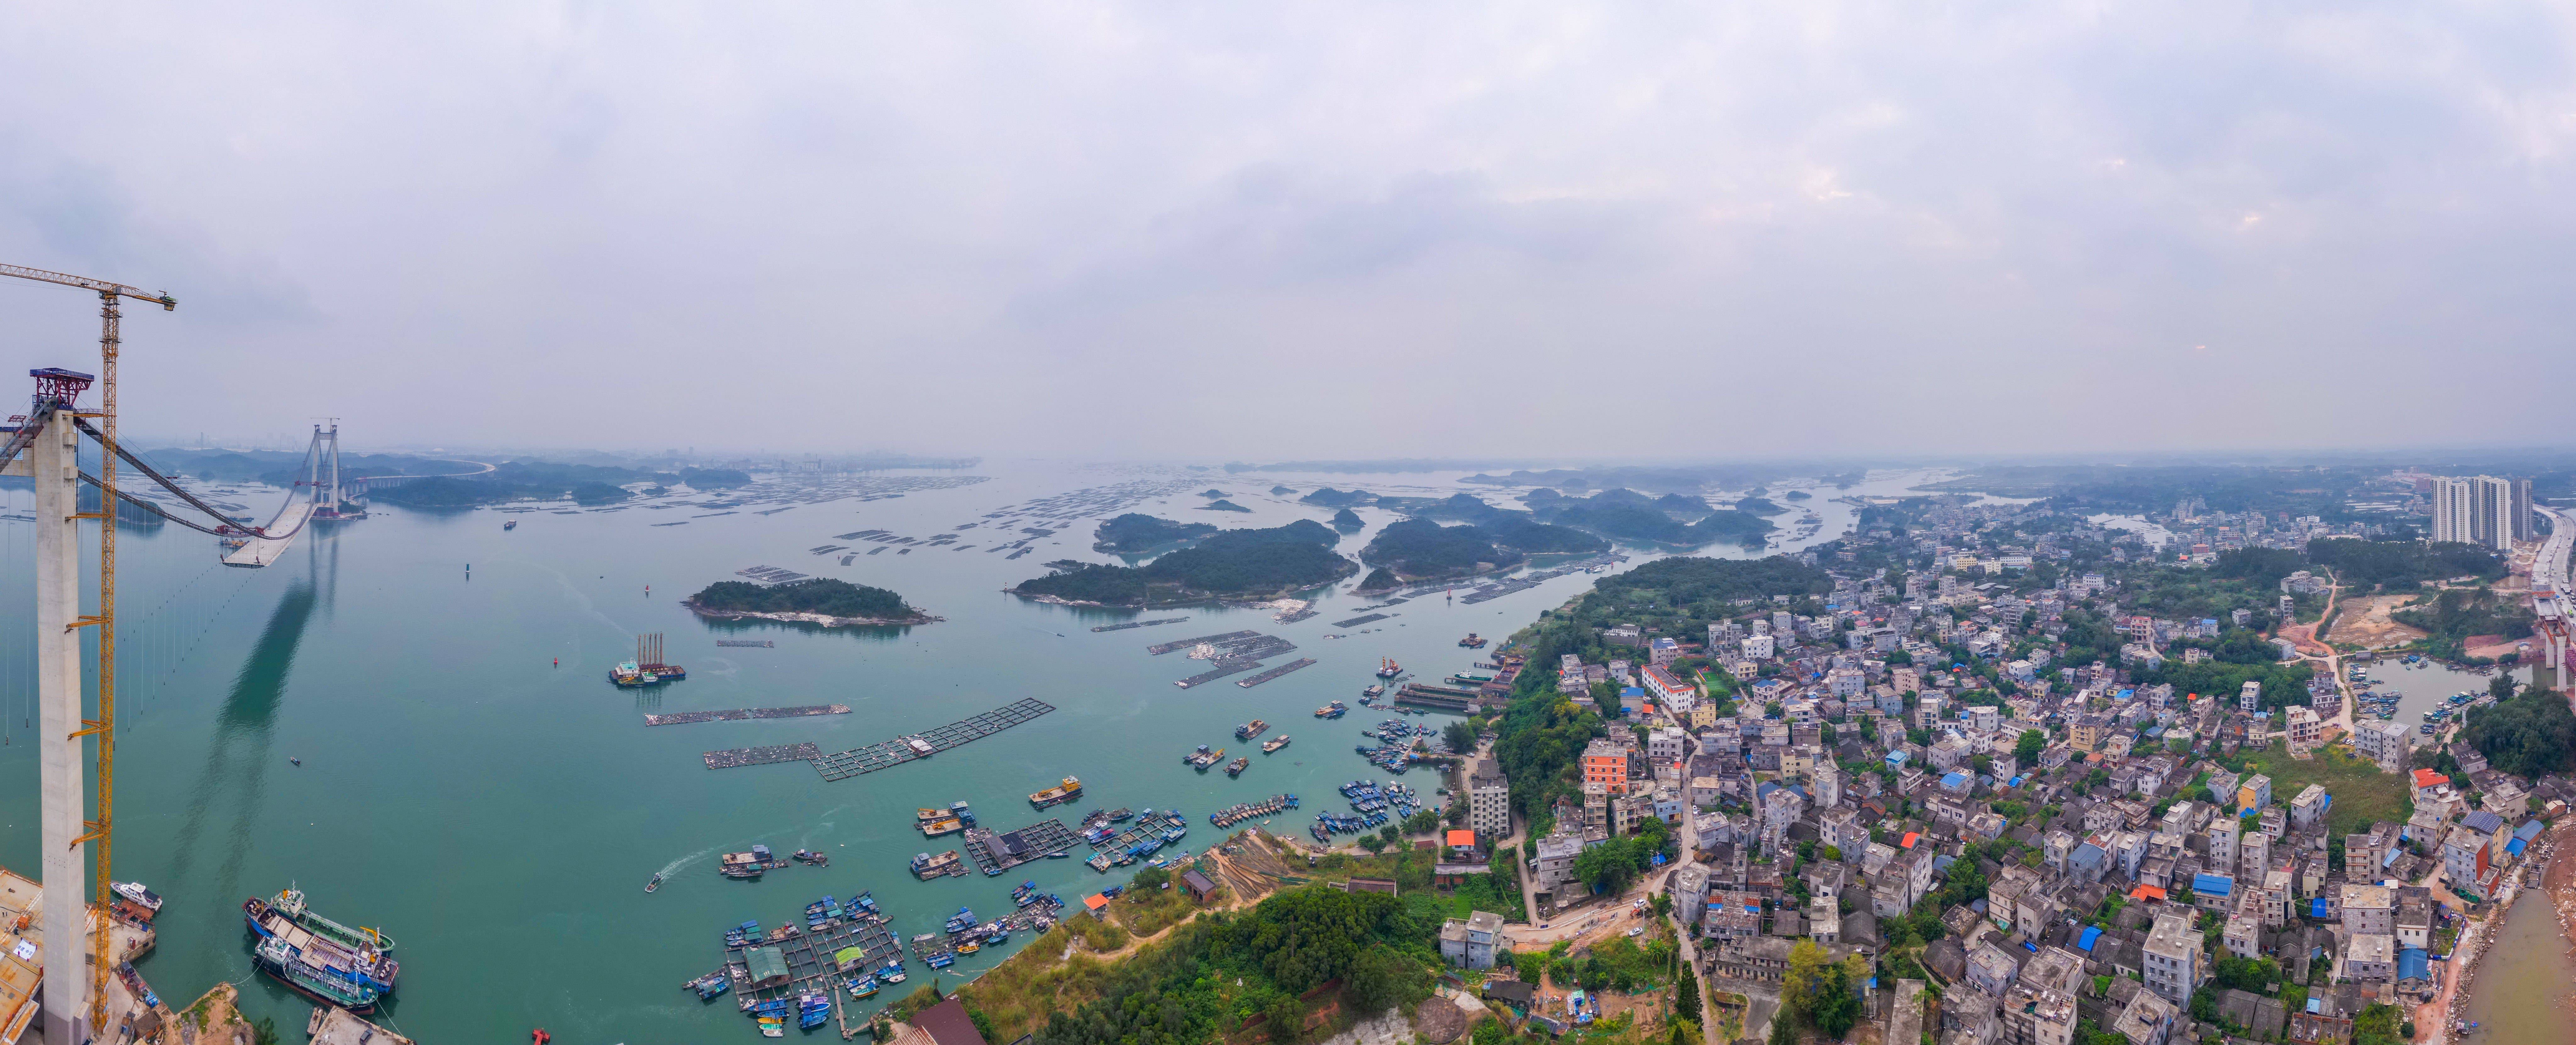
1115,231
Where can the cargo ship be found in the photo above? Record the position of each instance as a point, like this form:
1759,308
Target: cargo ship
1067,791
1251,729
945,825
1205,757
317,957
1274,743
1236,767
926,866
1332,710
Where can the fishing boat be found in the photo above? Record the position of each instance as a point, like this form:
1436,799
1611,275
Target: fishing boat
1067,791
926,866
864,987
1332,710
1251,729
1236,767
1274,743
1387,669
709,985
963,814
942,826
893,971
656,883
1371,693
1099,862
1206,758
969,945
808,856
1472,641
511,525
1121,815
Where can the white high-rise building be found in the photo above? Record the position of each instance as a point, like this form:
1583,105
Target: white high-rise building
2482,510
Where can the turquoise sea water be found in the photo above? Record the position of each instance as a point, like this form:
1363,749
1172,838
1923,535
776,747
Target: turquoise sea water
474,787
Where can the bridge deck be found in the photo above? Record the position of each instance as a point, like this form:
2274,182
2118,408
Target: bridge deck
264,550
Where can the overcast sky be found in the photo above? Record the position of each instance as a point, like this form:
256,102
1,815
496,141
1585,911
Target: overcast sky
1308,230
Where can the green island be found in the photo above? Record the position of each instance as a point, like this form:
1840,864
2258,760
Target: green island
1347,520
546,481
1264,563
816,600
1380,579
1134,534
1223,506
1418,549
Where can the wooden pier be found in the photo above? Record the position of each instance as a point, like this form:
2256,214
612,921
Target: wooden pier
738,714
843,765
761,756
996,853
1221,669
1160,648
1135,623
1276,672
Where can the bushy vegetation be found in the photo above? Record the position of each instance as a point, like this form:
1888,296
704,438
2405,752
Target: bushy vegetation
1346,519
1421,548
1380,579
2402,564
1231,563
1709,587
1136,533
2527,735
813,595
2454,615
1217,972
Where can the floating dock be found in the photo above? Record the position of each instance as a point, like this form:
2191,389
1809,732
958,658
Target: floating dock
1276,672
1221,669
1364,619
846,764
745,643
809,958
1136,623
996,853
761,756
1440,698
1160,648
738,714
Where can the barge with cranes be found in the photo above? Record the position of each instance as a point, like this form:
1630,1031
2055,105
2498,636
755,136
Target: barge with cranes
647,668
319,958
1065,791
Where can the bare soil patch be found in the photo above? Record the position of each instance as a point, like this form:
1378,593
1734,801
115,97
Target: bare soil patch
2364,621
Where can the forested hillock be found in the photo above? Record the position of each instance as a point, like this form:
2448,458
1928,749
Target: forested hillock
1132,533
1232,563
1418,549
820,595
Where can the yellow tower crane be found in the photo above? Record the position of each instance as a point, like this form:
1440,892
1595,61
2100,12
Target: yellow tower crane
104,726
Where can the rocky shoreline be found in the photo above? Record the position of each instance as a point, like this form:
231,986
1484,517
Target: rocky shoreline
825,620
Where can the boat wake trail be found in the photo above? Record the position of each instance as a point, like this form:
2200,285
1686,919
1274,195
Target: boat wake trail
674,866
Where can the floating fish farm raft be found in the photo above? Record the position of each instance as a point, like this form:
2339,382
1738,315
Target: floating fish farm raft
808,953
996,853
1363,619
1160,648
1222,668
842,765
845,764
761,756
743,643
1139,624
1276,672
737,714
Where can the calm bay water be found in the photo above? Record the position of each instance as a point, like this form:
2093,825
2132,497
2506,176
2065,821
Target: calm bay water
473,786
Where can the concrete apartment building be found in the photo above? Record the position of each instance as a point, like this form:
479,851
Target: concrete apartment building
1489,800
1469,942
2172,958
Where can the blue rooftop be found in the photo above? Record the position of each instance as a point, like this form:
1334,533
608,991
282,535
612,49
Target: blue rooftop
2413,964
2213,884
2085,941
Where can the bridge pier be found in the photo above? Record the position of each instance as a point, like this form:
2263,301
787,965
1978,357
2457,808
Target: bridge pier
53,464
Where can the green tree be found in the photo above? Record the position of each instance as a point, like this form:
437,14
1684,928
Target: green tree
1381,979
2027,749
1284,1017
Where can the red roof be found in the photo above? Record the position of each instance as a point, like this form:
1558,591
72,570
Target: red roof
1459,836
1095,901
1910,836
2429,778
2147,892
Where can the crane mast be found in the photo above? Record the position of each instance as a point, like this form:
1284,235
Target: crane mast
104,726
